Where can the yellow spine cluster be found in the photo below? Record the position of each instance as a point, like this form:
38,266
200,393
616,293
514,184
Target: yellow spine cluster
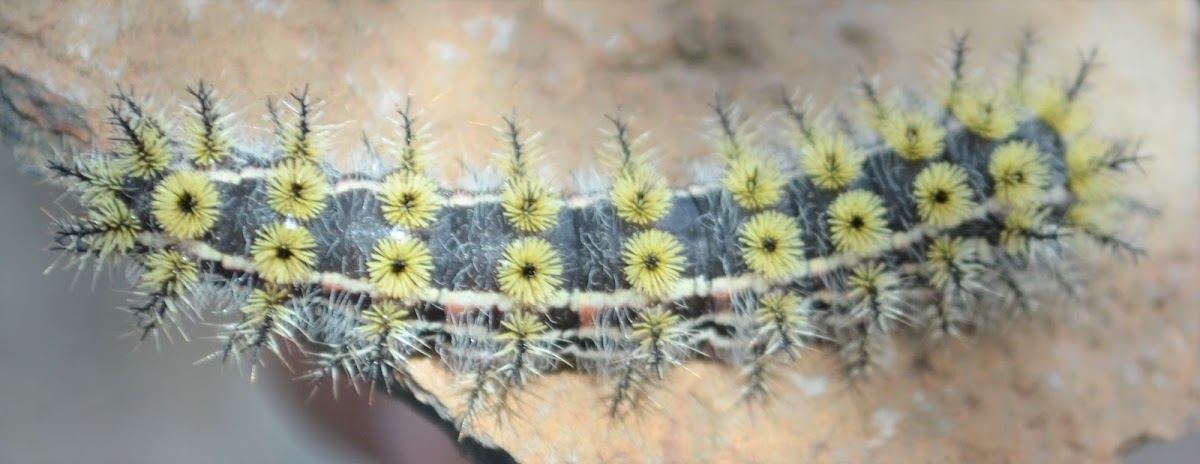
951,262
530,269
771,245
207,142
991,115
1020,174
401,265
269,317
639,196
829,160
143,148
913,135
1090,176
1021,226
755,181
284,253
114,227
660,340
858,223
304,139
298,189
523,351
653,263
944,200
409,200
185,204
169,273
529,273
100,178
783,322
770,241
653,259
875,292
1058,106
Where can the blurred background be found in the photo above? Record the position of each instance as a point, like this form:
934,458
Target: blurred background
72,390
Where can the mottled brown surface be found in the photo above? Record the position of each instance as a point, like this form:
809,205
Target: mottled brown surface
1115,367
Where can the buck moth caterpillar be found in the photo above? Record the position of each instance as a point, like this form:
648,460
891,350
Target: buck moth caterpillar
934,211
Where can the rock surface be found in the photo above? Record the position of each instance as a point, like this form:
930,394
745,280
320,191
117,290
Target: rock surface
1080,383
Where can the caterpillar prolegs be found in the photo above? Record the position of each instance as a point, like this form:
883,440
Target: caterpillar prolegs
929,216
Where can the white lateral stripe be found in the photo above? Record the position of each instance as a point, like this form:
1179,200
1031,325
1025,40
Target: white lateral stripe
457,198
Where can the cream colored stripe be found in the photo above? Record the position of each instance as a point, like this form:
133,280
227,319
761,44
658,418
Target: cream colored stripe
458,198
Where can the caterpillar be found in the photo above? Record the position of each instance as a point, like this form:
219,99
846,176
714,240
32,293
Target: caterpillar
929,216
